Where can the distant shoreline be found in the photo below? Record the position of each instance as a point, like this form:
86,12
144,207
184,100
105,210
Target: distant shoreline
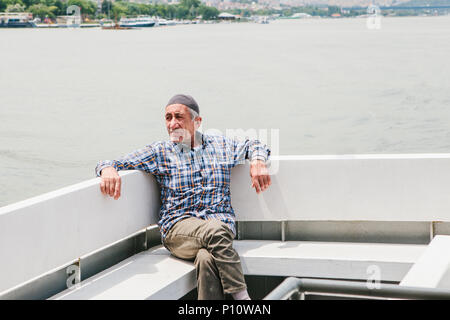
97,25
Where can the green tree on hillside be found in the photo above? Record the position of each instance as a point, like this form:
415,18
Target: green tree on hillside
209,13
186,9
333,9
15,8
171,12
106,7
42,11
190,3
5,3
118,10
181,13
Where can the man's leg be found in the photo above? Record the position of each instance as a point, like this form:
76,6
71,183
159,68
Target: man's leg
208,281
183,242
218,240
188,236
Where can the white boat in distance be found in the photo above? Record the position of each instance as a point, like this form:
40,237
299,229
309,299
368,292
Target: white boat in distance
139,22
164,22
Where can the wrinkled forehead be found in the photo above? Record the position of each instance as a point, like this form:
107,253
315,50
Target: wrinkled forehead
176,108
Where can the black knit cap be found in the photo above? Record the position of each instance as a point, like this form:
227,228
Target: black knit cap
185,99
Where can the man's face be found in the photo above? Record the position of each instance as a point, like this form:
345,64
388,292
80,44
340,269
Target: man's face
179,123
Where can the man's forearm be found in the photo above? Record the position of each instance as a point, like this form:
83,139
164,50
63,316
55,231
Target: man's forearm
141,159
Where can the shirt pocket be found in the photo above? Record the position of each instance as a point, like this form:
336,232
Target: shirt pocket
222,158
217,164
184,179
217,174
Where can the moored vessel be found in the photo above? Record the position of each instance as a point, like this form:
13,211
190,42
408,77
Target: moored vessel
16,20
139,22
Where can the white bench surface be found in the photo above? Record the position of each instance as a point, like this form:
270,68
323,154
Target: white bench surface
152,274
338,260
432,269
155,274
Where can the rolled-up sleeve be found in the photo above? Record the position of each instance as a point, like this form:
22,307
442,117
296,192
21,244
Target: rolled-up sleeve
249,150
142,159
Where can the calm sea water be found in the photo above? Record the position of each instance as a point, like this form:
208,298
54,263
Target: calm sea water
71,97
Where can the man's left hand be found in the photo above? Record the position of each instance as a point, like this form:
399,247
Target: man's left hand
259,175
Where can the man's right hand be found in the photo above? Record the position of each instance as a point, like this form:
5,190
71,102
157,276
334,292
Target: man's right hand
111,182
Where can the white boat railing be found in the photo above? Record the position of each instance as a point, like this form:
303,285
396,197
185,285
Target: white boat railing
43,233
49,231
295,289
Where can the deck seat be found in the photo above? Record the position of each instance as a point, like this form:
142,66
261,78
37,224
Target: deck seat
152,274
155,274
432,269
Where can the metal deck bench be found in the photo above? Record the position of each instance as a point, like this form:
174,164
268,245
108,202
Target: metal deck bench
155,274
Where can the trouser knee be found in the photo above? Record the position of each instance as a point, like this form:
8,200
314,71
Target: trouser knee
203,259
218,231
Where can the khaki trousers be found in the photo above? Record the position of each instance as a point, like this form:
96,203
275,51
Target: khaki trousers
210,244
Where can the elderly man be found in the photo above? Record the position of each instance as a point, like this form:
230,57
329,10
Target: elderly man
197,221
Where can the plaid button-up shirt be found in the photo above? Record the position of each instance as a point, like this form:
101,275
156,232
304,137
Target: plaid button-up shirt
194,182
